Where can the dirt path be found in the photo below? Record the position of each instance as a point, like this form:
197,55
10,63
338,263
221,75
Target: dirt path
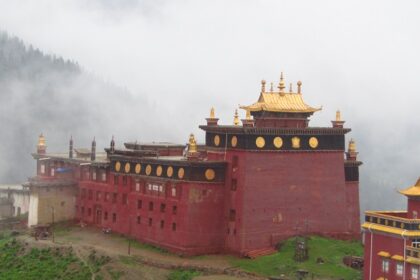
85,239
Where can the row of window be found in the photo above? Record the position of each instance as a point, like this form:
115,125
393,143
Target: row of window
138,219
125,200
399,269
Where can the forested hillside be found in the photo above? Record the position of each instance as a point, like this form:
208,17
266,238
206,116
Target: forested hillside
44,93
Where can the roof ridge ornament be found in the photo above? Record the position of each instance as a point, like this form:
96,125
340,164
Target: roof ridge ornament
271,87
299,86
282,85
263,86
291,88
212,115
236,118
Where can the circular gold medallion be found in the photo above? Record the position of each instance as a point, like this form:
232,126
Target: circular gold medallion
181,172
278,142
260,142
127,167
216,140
148,169
210,174
169,171
159,171
117,166
313,142
137,168
296,142
234,141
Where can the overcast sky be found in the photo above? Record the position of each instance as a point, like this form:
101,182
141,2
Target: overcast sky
361,57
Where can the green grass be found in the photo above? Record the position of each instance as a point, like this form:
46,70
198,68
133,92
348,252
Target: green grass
17,262
331,251
183,274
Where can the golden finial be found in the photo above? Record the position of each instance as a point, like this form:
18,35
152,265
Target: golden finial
281,83
338,116
291,88
192,145
41,140
271,87
248,114
236,118
352,146
212,116
299,85
263,86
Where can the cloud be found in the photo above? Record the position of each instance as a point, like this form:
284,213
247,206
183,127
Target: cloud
186,56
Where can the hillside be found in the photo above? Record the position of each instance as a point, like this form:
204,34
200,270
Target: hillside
43,93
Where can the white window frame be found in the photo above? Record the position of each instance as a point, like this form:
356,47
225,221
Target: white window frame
42,168
414,272
103,176
52,171
385,265
173,191
399,269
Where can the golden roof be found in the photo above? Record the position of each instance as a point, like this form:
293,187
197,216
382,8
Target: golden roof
384,254
413,190
281,102
391,230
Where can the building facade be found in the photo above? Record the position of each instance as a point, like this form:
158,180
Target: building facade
14,201
392,240
265,178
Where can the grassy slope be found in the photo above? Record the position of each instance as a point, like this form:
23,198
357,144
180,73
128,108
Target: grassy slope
331,251
18,263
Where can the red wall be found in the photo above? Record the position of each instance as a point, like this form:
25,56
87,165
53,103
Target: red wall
281,191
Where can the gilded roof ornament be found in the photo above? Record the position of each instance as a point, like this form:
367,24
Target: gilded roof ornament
291,88
352,146
248,115
236,118
299,85
212,115
41,140
271,87
192,145
282,84
338,116
263,86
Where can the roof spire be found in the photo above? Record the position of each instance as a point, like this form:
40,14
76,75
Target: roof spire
263,86
41,147
212,115
291,88
338,116
271,87
192,145
299,85
282,85
236,118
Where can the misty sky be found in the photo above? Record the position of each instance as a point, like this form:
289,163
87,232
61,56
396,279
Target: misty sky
183,57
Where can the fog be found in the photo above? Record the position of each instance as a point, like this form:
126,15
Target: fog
176,59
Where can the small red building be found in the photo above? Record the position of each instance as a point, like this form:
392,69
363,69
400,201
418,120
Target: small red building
392,241
263,179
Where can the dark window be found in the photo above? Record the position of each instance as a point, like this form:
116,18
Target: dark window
139,204
150,206
162,207
138,219
114,217
234,163
89,211
114,198
173,226
115,179
150,221
232,215
124,199
233,185
174,209
162,224
106,215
